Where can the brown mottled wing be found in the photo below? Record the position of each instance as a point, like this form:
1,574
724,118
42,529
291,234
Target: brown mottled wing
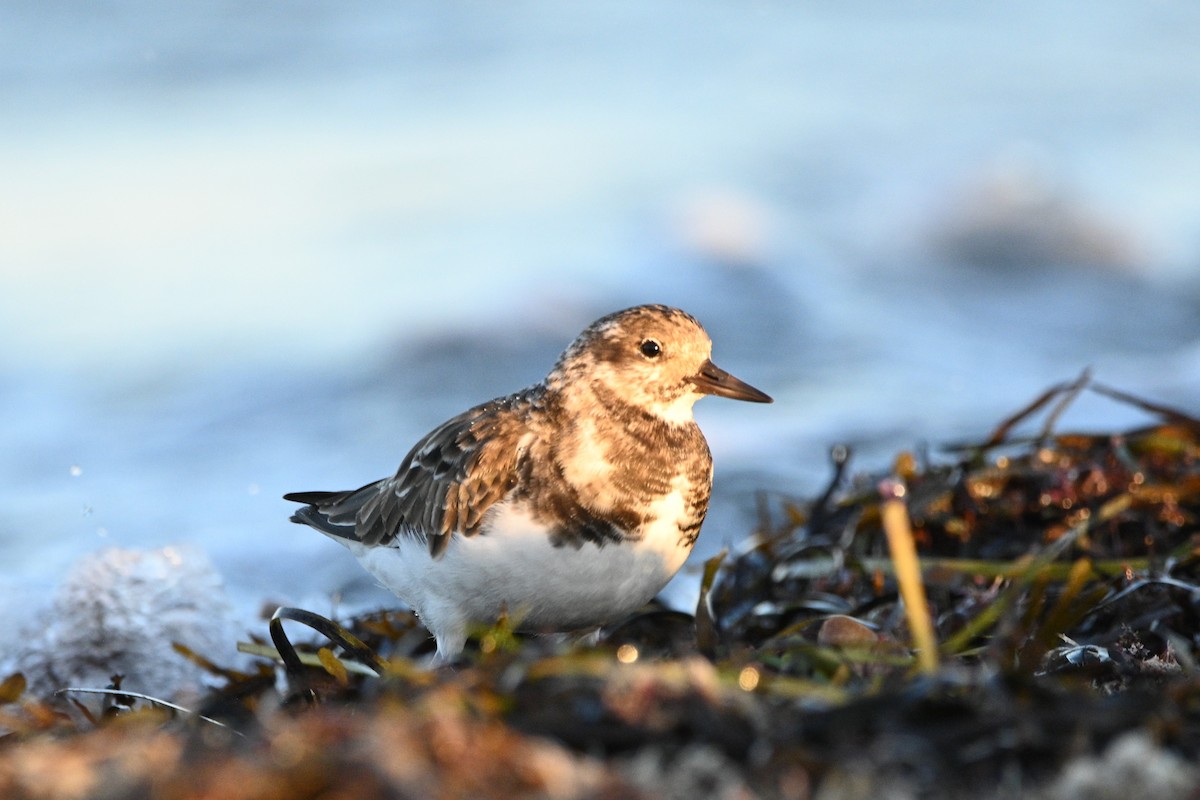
451,478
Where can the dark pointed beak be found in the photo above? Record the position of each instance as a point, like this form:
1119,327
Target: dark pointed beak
713,380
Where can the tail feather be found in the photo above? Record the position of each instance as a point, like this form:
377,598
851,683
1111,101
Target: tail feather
331,513
316,498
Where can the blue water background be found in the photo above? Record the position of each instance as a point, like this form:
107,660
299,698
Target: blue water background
254,248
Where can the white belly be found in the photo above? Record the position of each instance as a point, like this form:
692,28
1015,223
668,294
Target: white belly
514,567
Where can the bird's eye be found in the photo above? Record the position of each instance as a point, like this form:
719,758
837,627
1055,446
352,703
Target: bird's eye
651,348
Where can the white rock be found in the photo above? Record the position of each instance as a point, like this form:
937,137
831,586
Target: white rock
118,612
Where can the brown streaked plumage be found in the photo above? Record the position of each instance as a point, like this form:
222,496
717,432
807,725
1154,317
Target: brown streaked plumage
567,504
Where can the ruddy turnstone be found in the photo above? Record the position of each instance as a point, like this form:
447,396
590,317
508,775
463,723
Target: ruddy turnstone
568,504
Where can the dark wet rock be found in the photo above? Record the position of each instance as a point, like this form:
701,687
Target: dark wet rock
1015,217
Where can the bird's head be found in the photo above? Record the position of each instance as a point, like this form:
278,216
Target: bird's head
653,357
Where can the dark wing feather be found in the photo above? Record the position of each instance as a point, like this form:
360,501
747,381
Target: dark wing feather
445,485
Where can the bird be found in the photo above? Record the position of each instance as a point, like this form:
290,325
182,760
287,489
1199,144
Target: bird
566,505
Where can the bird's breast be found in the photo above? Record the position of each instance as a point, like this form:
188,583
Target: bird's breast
671,522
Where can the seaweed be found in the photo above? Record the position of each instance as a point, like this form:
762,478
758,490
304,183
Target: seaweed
985,620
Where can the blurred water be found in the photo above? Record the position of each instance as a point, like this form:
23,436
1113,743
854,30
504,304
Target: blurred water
254,249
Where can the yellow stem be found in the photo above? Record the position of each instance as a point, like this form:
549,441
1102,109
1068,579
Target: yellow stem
908,576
